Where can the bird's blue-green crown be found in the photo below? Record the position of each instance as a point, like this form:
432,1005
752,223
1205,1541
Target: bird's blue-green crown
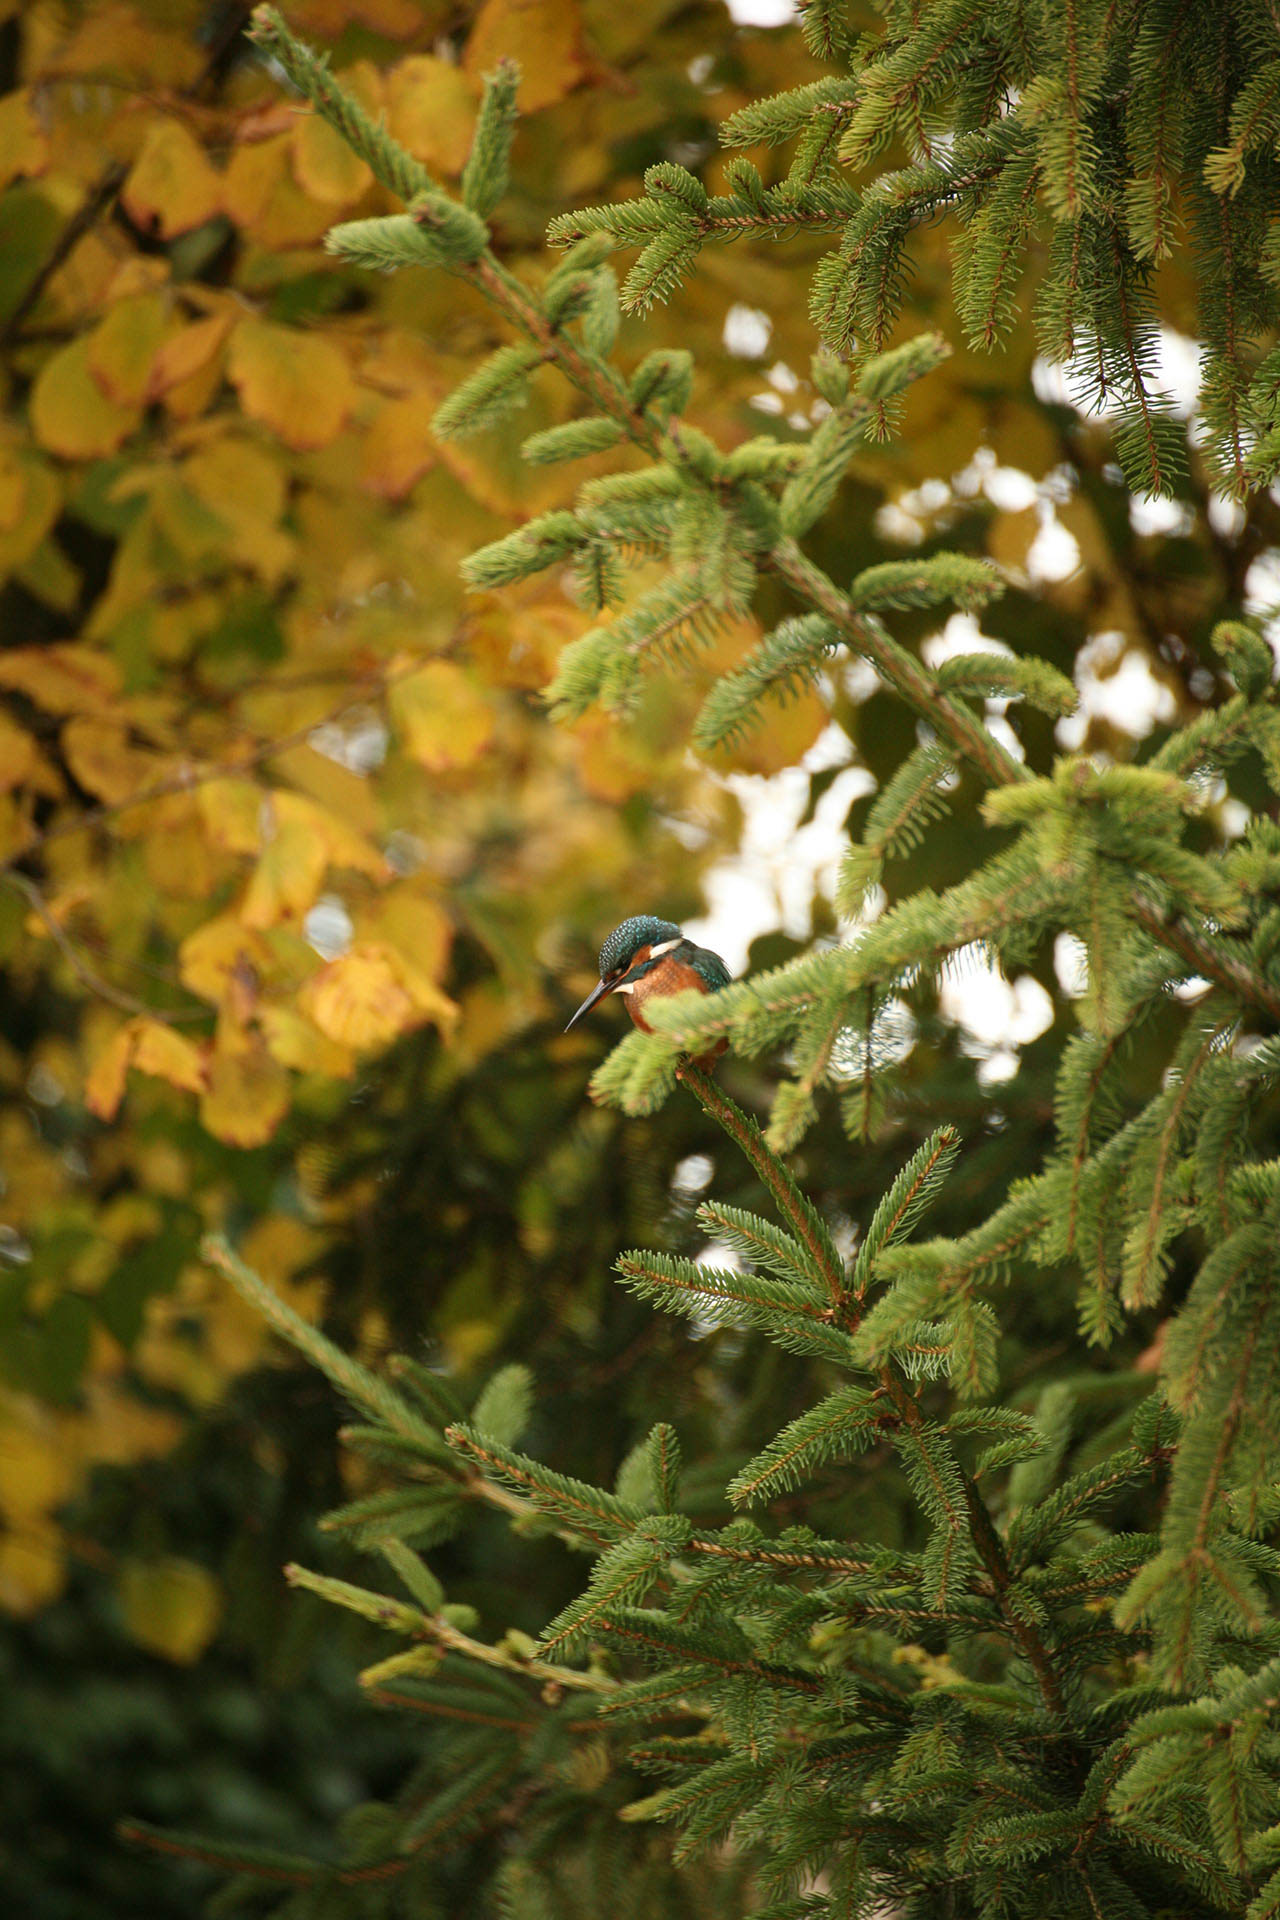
643,929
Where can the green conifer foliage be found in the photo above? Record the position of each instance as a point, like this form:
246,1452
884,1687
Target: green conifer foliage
1058,1697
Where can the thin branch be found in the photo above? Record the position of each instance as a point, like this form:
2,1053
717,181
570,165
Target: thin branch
94,982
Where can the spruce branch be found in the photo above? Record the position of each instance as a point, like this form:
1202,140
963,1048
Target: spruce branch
357,1383
809,1228
440,1632
386,159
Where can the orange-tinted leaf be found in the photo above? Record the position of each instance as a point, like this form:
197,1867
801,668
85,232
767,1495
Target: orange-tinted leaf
123,348
247,1096
368,997
297,384
63,678
441,716
188,353
398,448
172,186
71,414
168,1055
431,110
545,36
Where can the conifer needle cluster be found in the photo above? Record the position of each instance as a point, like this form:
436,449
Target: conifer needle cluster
1060,1699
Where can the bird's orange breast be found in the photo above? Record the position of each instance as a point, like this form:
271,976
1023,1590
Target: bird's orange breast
668,977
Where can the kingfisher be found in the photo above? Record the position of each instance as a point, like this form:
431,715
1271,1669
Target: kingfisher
647,958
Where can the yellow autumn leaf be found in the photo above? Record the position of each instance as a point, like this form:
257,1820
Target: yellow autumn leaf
324,164
240,481
33,498
262,196
33,1569
24,145
298,384
246,488
14,488
100,756
431,110
232,813
247,1095
545,36
171,187
369,996
397,448
170,1606
288,876
19,754
298,1043
441,716
117,1428
167,1055
66,677
108,1070
417,927
71,414
123,348
223,962
37,1472
187,353
345,846
181,862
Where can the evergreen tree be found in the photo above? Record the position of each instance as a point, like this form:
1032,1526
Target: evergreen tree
1056,1696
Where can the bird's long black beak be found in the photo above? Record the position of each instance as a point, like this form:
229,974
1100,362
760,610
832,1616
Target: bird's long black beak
597,993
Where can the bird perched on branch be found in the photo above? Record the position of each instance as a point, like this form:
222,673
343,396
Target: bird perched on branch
646,959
